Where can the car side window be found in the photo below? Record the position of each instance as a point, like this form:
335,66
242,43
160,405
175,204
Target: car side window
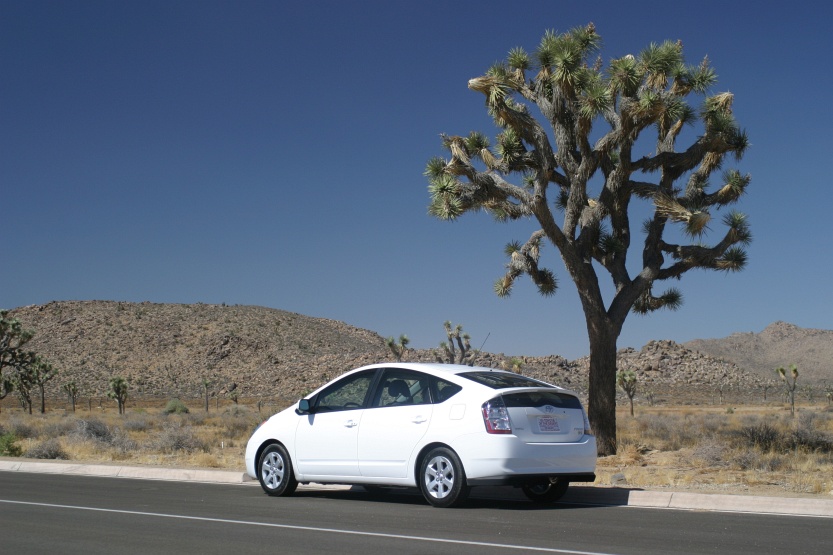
345,394
402,387
444,390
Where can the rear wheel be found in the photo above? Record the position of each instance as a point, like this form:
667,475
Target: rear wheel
546,492
274,471
442,479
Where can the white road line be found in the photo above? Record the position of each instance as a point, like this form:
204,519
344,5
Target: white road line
311,528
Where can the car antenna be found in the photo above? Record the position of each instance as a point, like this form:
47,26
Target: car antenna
480,350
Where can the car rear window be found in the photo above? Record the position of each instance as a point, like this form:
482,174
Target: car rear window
502,380
541,399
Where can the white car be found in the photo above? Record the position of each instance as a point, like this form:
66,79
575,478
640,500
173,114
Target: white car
440,427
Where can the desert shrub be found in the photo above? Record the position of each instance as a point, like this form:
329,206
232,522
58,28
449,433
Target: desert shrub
748,459
240,425
808,440
711,453
7,445
93,429
49,449
198,418
137,423
20,429
121,442
772,463
62,427
176,437
175,406
763,436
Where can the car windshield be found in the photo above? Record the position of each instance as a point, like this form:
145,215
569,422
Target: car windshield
501,380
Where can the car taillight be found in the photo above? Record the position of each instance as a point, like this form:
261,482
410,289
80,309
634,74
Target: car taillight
496,417
588,431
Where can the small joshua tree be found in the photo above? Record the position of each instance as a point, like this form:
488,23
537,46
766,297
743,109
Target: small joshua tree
71,389
458,348
789,385
118,391
398,349
626,380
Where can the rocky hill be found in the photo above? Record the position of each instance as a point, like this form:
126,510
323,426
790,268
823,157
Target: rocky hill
779,344
167,350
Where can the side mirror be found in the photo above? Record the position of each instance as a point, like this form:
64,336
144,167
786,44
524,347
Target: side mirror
303,407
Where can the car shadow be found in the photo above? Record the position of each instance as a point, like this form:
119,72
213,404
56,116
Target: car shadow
500,498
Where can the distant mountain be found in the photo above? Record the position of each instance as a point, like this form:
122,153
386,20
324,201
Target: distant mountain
779,344
169,350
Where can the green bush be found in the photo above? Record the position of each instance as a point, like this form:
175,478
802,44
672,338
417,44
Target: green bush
7,446
175,406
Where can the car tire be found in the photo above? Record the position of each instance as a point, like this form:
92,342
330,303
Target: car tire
546,492
274,471
442,479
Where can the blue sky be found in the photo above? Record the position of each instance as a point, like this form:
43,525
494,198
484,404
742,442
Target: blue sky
271,153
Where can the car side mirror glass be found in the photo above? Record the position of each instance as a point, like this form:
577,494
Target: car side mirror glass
303,406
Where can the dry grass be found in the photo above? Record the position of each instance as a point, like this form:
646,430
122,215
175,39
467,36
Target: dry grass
759,450
742,450
141,436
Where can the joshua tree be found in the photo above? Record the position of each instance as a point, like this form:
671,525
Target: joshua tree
398,349
23,381
71,389
12,355
118,391
206,384
42,372
458,348
626,380
789,386
595,176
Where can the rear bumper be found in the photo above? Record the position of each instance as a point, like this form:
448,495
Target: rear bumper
506,459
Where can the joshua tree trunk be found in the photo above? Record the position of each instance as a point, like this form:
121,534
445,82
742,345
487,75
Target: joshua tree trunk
602,403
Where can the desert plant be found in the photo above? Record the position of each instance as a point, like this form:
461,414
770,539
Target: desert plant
581,184
457,350
7,445
118,391
12,340
175,406
93,429
764,436
49,449
71,389
398,349
789,385
626,380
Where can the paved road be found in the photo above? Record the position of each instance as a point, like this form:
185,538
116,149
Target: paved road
41,513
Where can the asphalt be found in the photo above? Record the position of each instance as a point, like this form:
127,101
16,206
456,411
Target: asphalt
576,495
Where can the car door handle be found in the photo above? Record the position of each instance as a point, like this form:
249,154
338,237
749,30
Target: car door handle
419,419
350,424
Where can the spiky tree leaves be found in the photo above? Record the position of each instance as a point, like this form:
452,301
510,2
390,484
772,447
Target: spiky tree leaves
13,337
119,389
626,381
398,349
572,168
789,385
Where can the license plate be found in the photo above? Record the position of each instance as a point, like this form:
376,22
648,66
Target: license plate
548,424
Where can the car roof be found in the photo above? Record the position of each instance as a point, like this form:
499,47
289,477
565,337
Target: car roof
434,367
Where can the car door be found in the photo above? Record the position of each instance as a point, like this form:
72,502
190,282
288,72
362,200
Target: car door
395,421
326,438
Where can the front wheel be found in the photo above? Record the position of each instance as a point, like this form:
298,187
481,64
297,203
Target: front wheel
275,471
546,492
442,479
